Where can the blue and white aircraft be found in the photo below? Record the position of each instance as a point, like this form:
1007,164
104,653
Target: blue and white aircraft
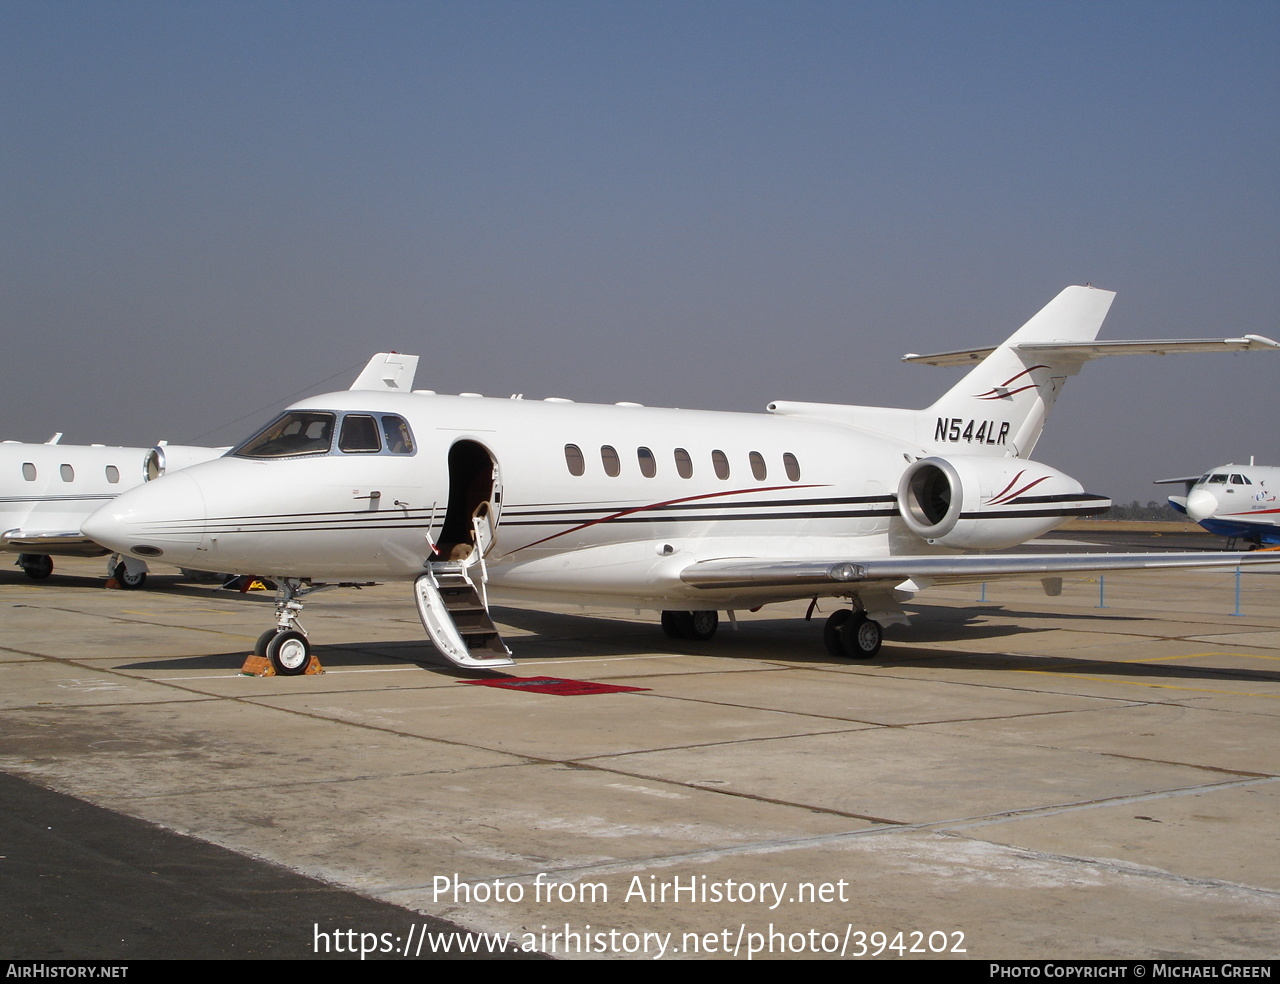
1241,502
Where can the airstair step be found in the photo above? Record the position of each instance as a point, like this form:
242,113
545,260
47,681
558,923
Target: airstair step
454,613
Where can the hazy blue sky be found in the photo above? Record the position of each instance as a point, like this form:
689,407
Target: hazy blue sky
209,207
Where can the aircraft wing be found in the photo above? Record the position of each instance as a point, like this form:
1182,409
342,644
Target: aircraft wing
71,543
1085,351
914,573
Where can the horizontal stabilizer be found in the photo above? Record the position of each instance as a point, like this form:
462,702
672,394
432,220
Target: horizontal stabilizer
1086,351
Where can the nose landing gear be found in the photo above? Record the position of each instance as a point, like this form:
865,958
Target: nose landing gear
286,646
287,649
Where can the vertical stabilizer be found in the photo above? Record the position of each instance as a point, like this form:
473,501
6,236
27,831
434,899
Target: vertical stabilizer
1001,405
388,371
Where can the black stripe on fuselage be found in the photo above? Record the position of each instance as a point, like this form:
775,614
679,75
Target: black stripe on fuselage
581,518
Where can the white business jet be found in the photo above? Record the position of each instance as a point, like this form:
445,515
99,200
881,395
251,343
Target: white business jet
685,512
48,490
1236,501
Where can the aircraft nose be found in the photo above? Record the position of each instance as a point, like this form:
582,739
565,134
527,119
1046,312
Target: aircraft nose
1201,504
161,520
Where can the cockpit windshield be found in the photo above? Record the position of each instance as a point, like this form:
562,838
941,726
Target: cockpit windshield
311,432
296,432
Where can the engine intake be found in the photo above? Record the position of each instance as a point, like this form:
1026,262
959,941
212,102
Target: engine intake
988,503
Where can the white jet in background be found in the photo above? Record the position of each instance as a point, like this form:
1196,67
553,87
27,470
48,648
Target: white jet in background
1241,502
48,490
682,511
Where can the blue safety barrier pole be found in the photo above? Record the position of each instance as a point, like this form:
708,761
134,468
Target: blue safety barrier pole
1102,591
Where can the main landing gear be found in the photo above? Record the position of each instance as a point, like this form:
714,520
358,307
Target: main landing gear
36,566
696,626
850,634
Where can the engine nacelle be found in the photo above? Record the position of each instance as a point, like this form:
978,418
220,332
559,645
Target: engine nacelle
165,458
989,503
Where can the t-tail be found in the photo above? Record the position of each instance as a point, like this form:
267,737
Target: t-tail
1001,405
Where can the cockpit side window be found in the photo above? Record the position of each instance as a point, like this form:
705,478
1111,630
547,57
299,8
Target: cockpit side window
359,434
293,433
399,437
310,432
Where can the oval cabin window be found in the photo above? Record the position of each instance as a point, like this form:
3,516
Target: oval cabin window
573,458
612,463
720,463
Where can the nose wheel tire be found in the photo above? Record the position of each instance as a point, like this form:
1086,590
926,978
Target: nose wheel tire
126,580
260,647
288,650
852,635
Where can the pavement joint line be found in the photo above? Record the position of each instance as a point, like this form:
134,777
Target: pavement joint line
294,784
1153,686
116,617
237,675
898,724
1172,659
888,828
605,659
1133,870
951,826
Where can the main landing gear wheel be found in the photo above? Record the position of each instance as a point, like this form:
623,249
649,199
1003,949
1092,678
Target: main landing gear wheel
36,566
288,650
852,635
698,626
126,580
833,632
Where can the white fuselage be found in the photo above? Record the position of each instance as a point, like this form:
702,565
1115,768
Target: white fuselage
590,501
47,491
